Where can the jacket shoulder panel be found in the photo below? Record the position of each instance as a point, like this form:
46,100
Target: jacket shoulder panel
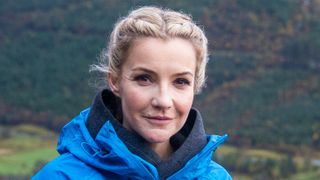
211,171
202,166
67,166
216,171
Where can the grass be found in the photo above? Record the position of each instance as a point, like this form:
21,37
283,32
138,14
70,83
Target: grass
33,130
21,143
311,175
236,176
259,153
23,163
23,147
303,172
27,148
226,149
264,154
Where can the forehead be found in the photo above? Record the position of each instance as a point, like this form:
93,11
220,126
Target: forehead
155,53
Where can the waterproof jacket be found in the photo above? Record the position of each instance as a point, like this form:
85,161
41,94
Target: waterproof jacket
103,151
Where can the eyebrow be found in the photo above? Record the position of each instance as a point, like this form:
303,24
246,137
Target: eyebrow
143,69
152,72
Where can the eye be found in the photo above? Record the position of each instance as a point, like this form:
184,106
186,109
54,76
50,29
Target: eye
182,82
143,79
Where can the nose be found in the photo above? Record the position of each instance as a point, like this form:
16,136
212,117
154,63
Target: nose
162,99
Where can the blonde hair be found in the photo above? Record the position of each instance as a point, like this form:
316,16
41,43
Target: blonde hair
158,23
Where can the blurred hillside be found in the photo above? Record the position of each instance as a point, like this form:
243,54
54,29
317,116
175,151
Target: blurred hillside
263,84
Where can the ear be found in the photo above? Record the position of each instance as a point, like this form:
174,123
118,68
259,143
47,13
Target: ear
113,84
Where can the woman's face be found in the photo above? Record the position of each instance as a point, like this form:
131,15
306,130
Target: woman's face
156,87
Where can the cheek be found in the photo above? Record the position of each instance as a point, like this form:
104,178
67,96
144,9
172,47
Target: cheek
132,99
184,103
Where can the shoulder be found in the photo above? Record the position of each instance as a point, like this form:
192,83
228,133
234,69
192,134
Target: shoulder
66,166
202,169
216,171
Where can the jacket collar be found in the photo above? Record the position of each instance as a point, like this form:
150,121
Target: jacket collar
187,142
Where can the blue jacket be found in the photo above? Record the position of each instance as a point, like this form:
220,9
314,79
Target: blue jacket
81,157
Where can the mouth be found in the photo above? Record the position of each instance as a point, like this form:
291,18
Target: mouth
159,120
163,118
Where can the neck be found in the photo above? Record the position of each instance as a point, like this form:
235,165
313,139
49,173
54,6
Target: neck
164,149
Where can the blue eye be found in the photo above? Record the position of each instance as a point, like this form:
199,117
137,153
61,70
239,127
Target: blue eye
143,79
182,81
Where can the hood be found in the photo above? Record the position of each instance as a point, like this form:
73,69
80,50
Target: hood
107,152
97,139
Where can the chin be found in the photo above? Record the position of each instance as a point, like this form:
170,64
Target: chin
156,137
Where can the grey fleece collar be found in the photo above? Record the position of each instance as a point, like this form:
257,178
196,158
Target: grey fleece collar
187,142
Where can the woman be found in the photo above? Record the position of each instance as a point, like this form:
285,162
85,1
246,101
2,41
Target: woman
144,127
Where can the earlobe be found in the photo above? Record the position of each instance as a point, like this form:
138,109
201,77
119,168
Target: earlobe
113,84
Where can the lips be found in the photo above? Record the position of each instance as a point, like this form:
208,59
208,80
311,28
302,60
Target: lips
159,120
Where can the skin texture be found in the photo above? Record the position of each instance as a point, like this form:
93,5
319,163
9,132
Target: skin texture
156,88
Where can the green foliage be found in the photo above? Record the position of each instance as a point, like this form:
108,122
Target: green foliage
309,175
228,66
263,76
23,148
303,51
282,98
262,164
281,9
37,61
263,84
22,163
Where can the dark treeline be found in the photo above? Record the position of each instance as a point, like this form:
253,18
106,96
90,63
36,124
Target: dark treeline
263,84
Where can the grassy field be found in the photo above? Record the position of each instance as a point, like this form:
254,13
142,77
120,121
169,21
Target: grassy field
244,158
23,163
311,175
23,148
